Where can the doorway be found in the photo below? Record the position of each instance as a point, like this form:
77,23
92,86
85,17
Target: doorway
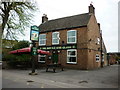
55,58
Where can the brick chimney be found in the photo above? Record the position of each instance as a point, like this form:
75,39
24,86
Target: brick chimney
91,9
44,18
99,25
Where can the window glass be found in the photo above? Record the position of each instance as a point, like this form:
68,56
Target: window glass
71,39
97,57
71,36
71,56
72,59
41,58
42,39
42,36
98,40
71,53
55,38
71,33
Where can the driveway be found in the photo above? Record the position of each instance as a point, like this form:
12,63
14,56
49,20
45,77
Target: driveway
106,77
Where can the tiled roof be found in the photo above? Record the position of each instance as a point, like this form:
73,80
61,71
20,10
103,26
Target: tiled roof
65,22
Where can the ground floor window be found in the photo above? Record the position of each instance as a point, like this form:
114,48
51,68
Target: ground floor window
41,58
97,57
72,56
102,57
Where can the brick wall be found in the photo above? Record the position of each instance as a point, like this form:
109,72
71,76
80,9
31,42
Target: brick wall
86,46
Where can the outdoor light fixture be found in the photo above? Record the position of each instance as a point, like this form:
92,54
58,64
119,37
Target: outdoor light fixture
58,51
53,51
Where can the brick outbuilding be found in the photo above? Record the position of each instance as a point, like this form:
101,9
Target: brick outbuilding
74,41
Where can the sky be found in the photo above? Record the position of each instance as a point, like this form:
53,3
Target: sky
119,26
106,12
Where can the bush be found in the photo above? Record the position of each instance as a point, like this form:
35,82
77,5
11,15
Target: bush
23,59
17,59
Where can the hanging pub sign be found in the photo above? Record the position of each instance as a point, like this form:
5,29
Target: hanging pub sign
34,33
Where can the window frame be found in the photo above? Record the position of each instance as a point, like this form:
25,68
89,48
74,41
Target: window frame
98,40
72,36
103,56
39,58
55,38
97,56
42,40
72,56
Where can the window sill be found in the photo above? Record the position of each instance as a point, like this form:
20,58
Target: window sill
55,43
97,61
71,42
71,63
41,62
42,45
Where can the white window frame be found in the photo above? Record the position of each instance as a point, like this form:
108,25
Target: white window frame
42,40
97,57
72,56
58,38
39,56
98,40
103,57
72,36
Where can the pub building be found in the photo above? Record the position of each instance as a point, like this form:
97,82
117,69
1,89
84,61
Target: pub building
75,41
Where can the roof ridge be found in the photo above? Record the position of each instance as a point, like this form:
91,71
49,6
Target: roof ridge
67,17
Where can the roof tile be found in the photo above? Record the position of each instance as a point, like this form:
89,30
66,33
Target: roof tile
65,22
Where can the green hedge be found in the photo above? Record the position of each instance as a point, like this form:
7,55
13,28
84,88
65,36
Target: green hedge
18,59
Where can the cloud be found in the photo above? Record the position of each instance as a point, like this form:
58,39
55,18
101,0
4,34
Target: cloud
106,12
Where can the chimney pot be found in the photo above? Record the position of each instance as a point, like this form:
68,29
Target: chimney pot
44,18
91,9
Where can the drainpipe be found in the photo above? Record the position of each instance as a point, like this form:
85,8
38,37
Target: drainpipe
101,49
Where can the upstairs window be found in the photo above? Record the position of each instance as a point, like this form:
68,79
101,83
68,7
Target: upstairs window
55,38
71,36
42,39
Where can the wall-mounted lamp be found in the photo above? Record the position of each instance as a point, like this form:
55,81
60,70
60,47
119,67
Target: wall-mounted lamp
58,51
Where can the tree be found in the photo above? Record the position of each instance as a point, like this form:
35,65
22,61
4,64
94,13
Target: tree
16,59
16,16
21,44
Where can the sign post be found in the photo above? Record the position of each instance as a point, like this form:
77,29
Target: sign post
34,37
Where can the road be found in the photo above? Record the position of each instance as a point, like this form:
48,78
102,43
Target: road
106,77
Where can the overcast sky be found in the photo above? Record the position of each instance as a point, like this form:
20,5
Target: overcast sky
106,12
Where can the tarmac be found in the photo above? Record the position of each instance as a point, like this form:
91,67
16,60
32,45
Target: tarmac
106,77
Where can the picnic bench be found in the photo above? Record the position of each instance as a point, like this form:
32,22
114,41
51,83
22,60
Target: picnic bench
54,67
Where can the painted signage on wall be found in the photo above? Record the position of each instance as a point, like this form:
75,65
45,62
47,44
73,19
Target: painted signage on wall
58,47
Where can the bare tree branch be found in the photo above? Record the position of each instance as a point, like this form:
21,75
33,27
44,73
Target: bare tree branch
15,17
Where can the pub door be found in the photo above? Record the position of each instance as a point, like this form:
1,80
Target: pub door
55,58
